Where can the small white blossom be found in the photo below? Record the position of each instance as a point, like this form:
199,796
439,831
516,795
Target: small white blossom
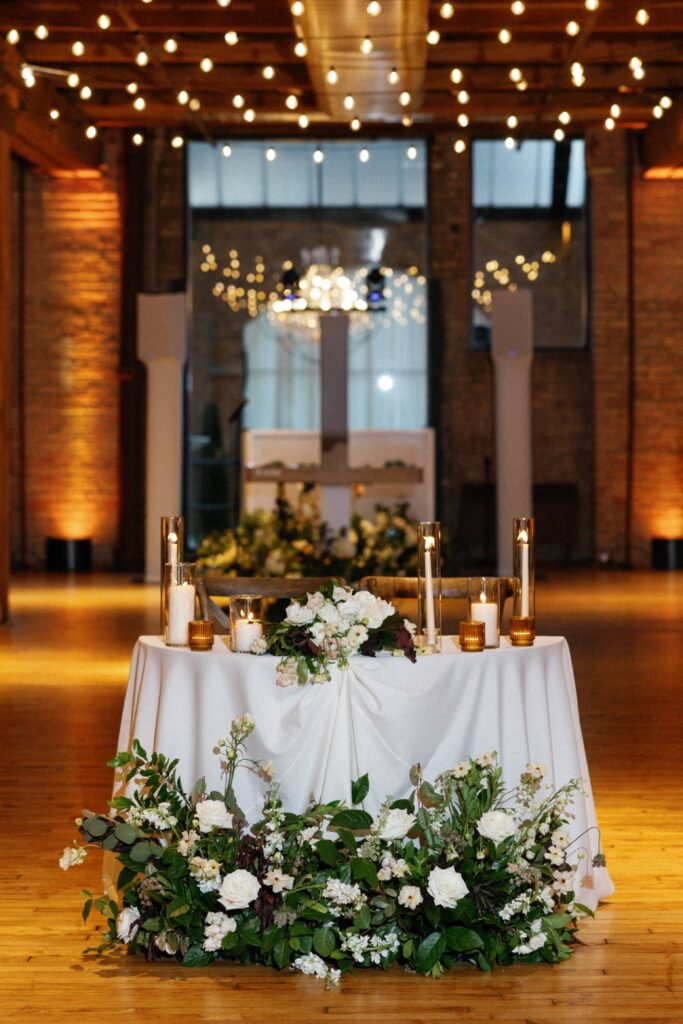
311,963
206,873
187,842
259,645
410,896
127,925
216,927
72,855
277,880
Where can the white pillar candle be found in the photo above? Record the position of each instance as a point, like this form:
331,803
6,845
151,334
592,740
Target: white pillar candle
429,592
246,631
487,613
172,548
523,540
180,613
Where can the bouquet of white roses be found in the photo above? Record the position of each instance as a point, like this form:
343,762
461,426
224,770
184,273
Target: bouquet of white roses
330,625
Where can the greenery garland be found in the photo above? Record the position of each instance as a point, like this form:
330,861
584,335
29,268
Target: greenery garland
458,872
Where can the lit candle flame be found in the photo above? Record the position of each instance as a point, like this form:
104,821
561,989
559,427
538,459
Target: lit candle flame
523,537
429,543
173,537
482,597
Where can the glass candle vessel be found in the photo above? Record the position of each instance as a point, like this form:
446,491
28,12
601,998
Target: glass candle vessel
483,603
429,585
246,621
523,565
172,551
472,636
200,635
522,630
179,586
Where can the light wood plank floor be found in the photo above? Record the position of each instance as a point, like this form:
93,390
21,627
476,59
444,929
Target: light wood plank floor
63,669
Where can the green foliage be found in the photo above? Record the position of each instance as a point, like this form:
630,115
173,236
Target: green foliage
327,894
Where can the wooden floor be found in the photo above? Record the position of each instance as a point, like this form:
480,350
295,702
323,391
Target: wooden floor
63,669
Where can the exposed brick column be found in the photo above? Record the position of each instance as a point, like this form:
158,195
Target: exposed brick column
608,170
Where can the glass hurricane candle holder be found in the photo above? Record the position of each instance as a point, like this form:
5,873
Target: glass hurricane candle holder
429,585
483,603
179,586
172,551
246,622
523,565
472,636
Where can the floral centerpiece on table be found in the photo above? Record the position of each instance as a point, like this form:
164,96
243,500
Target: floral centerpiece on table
295,542
459,872
330,625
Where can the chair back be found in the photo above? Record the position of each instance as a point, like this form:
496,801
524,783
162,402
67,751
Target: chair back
404,588
211,586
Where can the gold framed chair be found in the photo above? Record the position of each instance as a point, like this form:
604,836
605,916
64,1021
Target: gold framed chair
211,586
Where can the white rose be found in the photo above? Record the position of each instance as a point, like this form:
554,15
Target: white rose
299,614
315,601
126,926
446,886
317,632
410,896
212,814
496,825
340,593
238,890
396,825
329,614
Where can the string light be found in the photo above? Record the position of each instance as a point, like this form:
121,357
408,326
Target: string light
54,114
177,141
564,117
142,58
635,62
447,11
572,28
517,7
642,16
615,110
463,120
592,5
610,123
407,121
91,131
132,88
292,102
374,8
463,96
504,36
364,155
515,75
171,45
510,142
194,103
249,115
522,85
13,37
349,102
639,72
411,152
139,103
268,71
657,111
238,101
332,76
459,146
271,154
206,65
78,48
558,134
366,45
104,21
300,48
28,76
393,77
221,3
226,151
297,8
231,38
433,36
355,125
512,121
73,80
86,92
404,98
318,155
456,76
183,97
666,102
303,121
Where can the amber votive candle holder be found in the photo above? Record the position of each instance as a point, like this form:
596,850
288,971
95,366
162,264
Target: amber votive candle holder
472,634
522,630
200,635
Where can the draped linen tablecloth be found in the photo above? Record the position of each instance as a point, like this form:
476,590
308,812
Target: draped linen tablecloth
380,716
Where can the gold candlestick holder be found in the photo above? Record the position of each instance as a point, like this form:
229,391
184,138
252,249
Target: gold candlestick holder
472,635
522,630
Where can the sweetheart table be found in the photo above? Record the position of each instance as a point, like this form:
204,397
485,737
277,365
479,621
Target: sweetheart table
380,716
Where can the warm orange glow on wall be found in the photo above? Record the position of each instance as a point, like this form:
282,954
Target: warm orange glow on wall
664,173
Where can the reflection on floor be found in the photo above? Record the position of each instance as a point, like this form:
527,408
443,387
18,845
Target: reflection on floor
63,668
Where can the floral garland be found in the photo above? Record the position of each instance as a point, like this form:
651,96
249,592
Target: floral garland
332,624
458,872
294,542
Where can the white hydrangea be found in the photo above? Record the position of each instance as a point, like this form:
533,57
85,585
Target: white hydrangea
344,898
160,817
311,963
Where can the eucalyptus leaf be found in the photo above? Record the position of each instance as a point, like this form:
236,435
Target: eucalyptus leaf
96,826
125,833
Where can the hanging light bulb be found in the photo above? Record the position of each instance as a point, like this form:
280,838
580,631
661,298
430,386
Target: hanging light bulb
447,11
463,120
393,77
177,142
238,101
512,121
558,134
300,48
171,45
13,37
635,62
227,151
349,102
86,92
231,38
194,104
504,36
517,7
104,21
639,72
666,102
404,98
223,3
91,131
459,146
292,102
463,96
642,16
411,152
142,58
332,76
572,28
271,154
355,125
318,155
515,75
78,48
510,142
303,121
139,103
41,32
366,45
374,8
456,76
564,117
522,85
54,114
72,80
132,88
206,65
27,76
297,8
615,110
364,155
433,36
268,72
591,5
183,97
657,111
249,115
407,121
610,123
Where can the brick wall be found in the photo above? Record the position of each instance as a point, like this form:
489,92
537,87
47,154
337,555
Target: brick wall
71,353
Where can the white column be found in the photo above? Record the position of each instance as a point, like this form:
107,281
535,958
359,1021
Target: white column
335,500
162,347
512,349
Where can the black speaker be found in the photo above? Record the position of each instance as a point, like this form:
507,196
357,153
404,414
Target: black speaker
64,554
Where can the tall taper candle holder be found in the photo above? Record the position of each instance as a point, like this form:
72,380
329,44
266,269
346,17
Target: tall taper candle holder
429,585
483,601
172,551
179,584
523,566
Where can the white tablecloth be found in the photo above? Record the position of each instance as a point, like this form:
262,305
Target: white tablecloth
380,716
